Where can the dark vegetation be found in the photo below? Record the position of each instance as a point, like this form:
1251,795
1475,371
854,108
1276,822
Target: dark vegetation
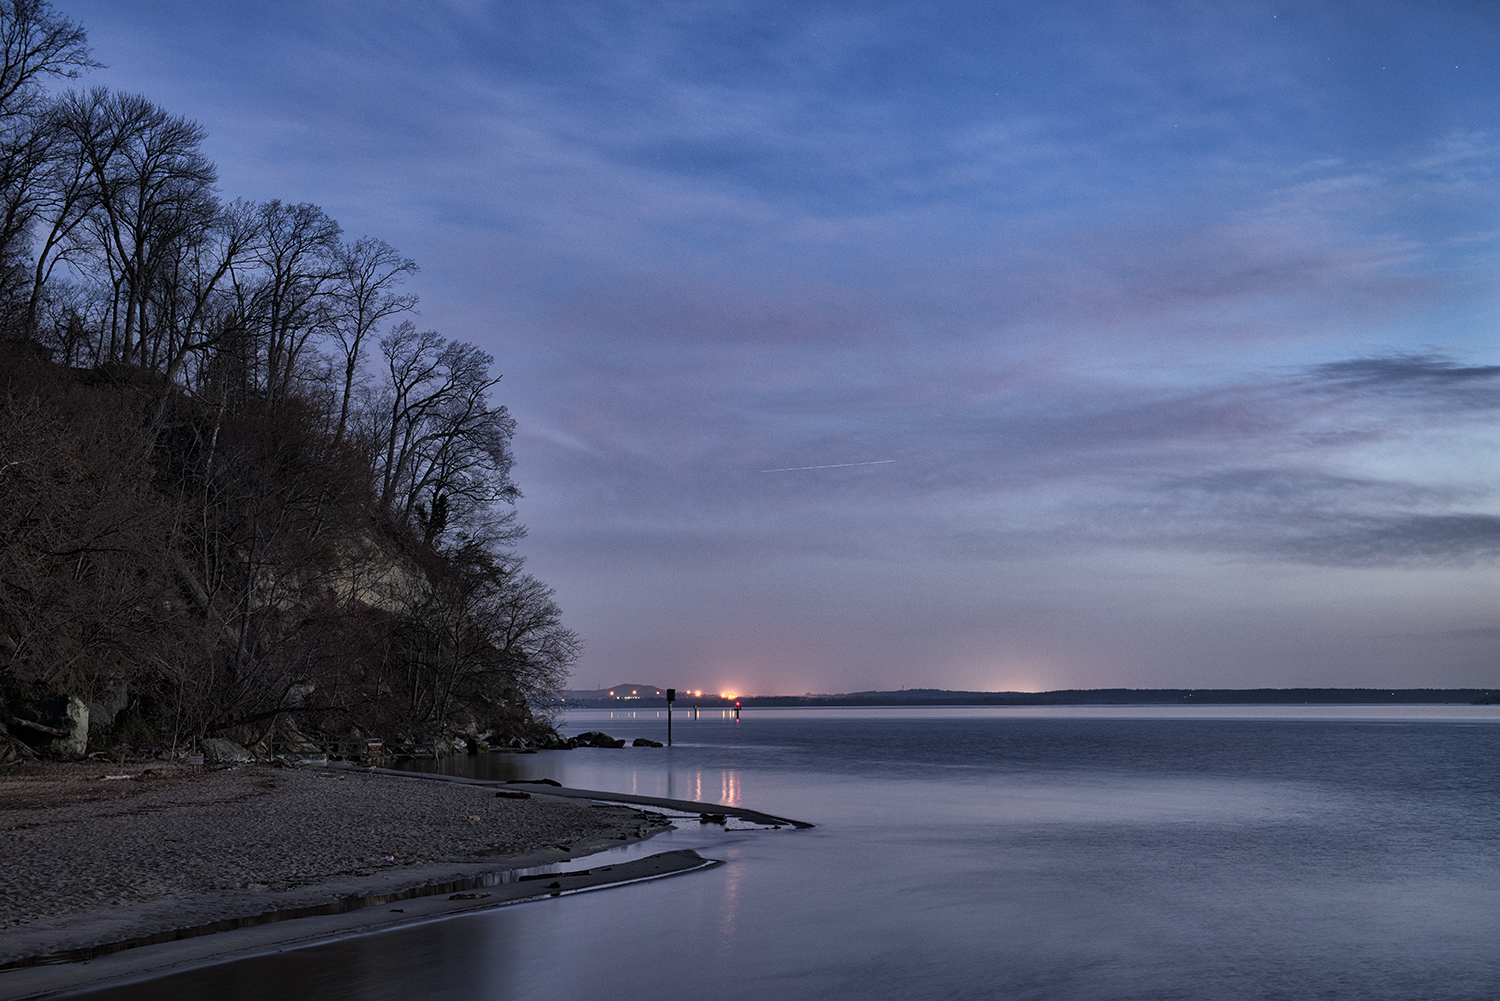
241,493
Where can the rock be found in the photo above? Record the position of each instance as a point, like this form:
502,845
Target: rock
219,749
596,738
58,724
107,706
645,742
712,818
76,745
307,754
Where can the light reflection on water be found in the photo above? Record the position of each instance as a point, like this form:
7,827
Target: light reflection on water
984,855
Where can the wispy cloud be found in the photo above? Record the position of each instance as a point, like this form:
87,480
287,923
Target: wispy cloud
1140,289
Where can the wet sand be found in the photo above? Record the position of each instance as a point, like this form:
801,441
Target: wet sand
92,861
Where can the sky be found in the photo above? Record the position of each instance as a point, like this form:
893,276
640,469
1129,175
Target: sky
1136,344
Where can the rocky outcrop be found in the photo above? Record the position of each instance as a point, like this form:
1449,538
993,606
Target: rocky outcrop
597,738
219,749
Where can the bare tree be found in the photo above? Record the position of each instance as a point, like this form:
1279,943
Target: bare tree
36,41
369,270
434,435
83,595
482,639
288,301
152,188
63,199
212,519
191,297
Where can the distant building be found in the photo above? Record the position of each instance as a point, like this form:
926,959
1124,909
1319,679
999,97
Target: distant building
631,692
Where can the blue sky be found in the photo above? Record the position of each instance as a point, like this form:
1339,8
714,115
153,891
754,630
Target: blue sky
1175,321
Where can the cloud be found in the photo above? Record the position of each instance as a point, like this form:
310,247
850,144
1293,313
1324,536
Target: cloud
1428,377
1146,288
1401,539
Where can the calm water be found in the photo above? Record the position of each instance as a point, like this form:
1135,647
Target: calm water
994,854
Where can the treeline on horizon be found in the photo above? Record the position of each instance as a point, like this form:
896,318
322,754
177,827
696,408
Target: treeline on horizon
242,493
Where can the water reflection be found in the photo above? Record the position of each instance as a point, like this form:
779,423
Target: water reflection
729,910
665,776
978,857
676,773
438,961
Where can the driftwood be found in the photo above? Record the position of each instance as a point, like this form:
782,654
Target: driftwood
50,731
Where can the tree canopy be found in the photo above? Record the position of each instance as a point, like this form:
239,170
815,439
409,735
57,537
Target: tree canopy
237,482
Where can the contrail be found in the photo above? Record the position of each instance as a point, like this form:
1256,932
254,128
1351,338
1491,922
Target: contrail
835,465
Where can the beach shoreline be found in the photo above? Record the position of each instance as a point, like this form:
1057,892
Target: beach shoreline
95,860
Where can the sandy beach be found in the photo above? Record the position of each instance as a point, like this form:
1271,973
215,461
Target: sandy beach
92,858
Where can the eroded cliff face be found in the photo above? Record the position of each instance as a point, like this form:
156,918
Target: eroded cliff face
186,570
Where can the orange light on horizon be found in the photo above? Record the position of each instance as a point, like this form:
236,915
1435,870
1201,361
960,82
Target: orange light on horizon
728,695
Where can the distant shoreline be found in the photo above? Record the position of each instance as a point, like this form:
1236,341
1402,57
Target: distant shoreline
1063,697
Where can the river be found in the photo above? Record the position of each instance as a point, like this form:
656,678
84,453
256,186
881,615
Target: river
1246,853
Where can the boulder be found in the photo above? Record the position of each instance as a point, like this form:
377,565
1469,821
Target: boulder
307,754
76,745
104,709
596,738
645,742
219,749
59,725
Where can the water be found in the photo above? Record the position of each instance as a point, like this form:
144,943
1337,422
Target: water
1017,854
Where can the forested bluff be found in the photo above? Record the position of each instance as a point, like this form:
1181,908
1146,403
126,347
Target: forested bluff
242,494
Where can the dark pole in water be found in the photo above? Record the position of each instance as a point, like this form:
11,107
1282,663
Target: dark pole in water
736,710
671,697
